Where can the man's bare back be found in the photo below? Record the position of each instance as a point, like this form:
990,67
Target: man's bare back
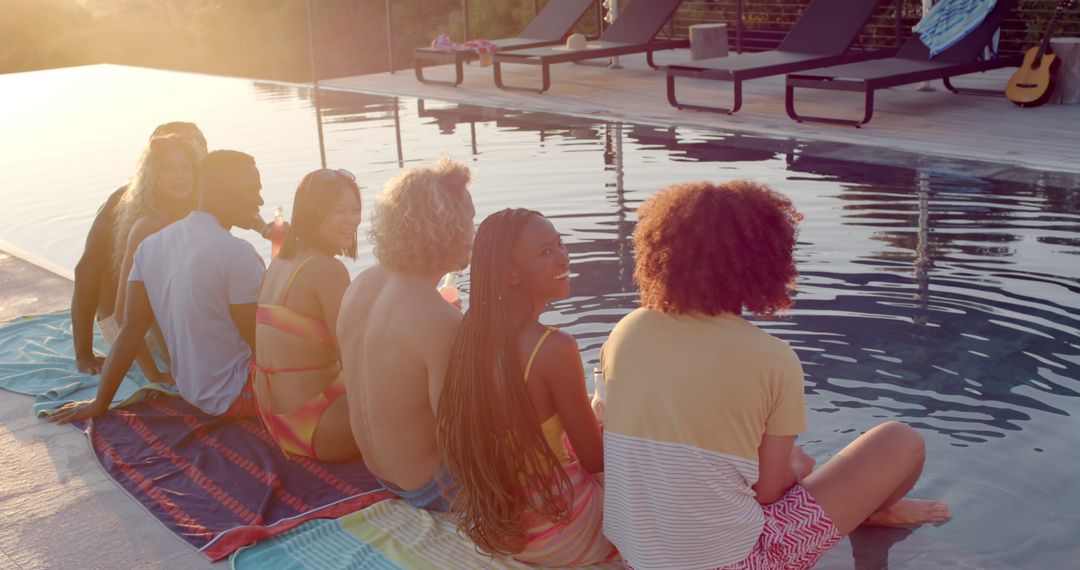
396,334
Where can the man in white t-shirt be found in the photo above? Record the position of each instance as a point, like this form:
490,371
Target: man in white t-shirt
201,283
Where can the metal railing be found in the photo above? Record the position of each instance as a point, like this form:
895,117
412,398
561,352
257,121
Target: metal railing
756,25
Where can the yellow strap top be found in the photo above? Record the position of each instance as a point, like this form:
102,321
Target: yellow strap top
551,427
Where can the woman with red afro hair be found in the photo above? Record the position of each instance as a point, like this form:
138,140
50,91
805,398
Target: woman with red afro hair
703,408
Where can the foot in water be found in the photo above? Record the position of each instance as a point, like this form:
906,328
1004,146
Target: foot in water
911,512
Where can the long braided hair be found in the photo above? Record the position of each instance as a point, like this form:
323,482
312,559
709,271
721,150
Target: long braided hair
488,434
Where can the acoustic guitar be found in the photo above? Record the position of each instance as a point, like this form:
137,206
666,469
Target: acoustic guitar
1033,83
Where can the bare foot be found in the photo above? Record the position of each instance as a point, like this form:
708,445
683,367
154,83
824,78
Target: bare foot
911,512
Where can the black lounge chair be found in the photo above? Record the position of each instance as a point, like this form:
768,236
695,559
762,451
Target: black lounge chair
911,65
821,37
550,26
634,31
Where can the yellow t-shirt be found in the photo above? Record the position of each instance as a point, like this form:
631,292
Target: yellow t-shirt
689,398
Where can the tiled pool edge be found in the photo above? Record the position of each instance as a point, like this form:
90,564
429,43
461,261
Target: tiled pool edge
30,285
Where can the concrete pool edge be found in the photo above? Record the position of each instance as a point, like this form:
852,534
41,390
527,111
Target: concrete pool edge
829,147
31,285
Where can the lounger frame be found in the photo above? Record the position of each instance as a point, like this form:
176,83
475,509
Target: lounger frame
913,65
623,37
822,37
736,77
550,26
868,86
545,62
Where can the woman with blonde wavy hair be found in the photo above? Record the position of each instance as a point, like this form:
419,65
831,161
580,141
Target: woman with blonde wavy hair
514,389
396,330
161,192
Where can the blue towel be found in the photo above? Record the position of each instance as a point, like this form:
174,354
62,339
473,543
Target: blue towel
37,358
950,21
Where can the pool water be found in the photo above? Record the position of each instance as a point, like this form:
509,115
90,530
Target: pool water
947,302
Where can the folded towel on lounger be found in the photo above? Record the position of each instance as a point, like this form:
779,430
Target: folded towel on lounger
950,21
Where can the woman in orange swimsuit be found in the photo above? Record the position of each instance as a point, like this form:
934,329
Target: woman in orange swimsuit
514,390
297,362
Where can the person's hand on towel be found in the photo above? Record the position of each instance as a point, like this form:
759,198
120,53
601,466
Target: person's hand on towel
72,411
90,365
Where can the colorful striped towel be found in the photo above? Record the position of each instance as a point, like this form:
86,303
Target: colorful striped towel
950,21
388,535
220,484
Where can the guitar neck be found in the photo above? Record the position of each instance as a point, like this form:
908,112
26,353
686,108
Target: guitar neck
1044,46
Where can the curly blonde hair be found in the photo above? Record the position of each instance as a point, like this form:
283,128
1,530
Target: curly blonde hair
142,198
423,219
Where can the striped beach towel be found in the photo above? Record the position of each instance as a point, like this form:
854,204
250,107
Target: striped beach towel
577,540
37,359
950,21
221,484
390,535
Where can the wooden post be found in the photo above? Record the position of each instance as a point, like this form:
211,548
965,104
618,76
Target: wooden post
1067,51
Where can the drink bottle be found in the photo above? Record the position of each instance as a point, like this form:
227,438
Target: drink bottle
277,232
449,290
599,399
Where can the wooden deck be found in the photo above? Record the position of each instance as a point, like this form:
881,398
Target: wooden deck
984,136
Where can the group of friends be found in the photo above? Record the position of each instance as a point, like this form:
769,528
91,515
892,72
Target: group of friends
485,414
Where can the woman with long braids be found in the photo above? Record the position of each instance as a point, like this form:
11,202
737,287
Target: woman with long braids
514,387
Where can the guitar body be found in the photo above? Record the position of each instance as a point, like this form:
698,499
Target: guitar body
1033,83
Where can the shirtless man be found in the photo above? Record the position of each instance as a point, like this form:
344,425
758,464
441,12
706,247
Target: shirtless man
396,331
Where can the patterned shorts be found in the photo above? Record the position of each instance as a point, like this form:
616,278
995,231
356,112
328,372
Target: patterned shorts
797,532
244,404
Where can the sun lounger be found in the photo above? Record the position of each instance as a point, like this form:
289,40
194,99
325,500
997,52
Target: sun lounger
911,65
550,26
634,31
821,37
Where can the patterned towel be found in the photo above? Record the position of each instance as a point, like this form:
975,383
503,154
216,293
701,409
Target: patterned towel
220,484
483,48
215,483
38,359
950,21
390,535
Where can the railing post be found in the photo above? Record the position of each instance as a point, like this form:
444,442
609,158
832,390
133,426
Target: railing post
389,38
738,26
465,17
315,85
899,20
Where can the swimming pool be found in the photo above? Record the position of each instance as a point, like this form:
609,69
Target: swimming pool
944,301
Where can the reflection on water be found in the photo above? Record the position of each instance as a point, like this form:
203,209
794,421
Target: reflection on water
946,302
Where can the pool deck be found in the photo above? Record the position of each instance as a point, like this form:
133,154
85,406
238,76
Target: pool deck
61,510
988,137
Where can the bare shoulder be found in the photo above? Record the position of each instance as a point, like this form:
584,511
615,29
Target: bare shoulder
442,317
559,359
143,228
561,345
324,267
